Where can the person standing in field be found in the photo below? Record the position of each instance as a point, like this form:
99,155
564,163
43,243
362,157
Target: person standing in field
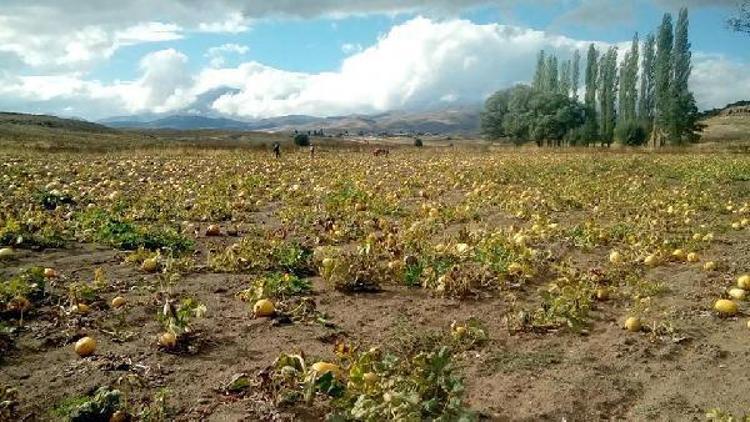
312,152
277,150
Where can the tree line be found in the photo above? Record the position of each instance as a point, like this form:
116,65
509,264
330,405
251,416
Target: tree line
643,98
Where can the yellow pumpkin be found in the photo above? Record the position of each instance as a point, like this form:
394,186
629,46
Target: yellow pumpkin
744,282
725,307
118,302
150,265
85,346
167,339
263,308
633,324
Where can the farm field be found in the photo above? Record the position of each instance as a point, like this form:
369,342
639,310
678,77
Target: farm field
471,285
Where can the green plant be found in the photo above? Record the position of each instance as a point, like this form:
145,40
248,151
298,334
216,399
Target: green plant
386,387
50,233
277,286
360,271
374,386
101,406
177,319
565,303
254,253
122,234
29,284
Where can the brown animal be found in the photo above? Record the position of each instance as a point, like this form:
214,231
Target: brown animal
381,152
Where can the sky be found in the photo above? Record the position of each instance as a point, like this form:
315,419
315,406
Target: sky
252,59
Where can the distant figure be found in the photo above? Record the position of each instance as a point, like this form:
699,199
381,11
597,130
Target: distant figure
381,152
312,151
277,150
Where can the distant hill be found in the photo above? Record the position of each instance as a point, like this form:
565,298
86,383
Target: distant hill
18,121
739,106
448,121
179,123
730,123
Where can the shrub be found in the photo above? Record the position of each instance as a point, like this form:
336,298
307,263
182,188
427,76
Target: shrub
631,134
418,142
302,140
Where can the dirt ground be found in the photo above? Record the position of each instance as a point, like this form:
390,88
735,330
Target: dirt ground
601,373
604,374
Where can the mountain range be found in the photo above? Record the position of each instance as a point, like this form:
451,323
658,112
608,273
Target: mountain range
463,120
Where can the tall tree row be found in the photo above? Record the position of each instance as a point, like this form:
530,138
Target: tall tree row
645,94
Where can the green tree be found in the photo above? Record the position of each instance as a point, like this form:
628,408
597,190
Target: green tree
576,74
527,114
608,83
629,83
302,140
541,72
565,78
591,129
554,117
663,82
631,133
552,80
683,121
646,101
495,109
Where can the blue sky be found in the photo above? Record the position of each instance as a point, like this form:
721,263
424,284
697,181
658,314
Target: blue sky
320,57
315,45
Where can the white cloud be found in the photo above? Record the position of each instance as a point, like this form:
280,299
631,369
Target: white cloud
418,64
78,48
73,34
217,55
164,86
421,63
717,80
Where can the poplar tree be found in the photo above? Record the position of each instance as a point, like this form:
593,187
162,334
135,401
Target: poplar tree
608,83
565,78
646,101
663,81
591,129
576,74
684,115
629,84
552,82
539,74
